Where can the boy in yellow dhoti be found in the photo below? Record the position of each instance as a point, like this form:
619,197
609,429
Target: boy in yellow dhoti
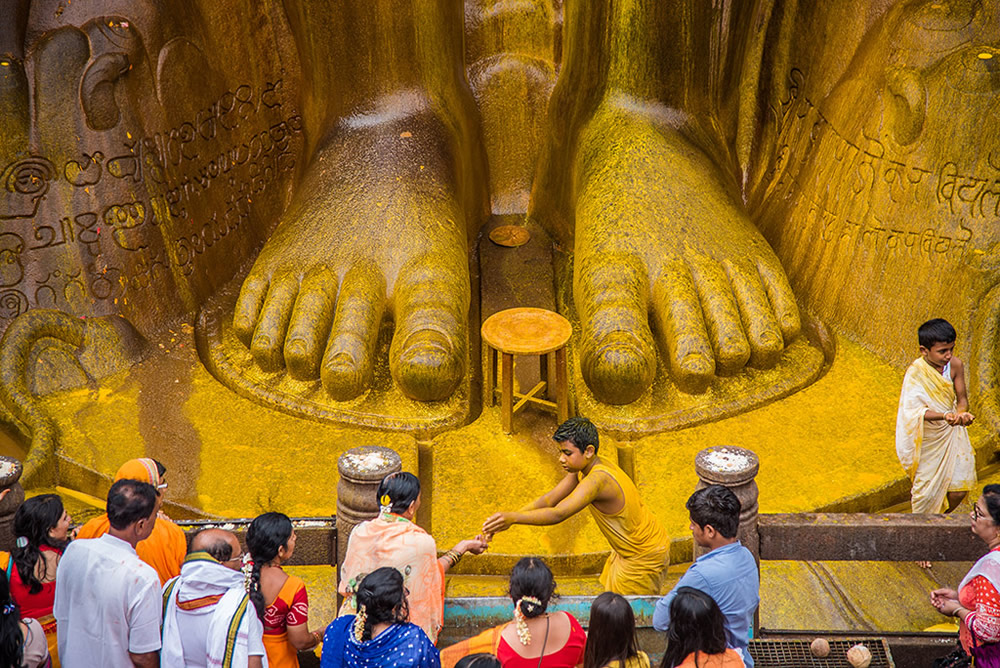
932,442
640,547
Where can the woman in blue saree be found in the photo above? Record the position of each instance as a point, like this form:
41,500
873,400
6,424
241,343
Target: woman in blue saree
379,635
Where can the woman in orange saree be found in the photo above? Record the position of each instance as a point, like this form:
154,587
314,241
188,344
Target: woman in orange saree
279,598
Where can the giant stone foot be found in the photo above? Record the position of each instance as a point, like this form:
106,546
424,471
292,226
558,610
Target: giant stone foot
684,312
376,232
658,236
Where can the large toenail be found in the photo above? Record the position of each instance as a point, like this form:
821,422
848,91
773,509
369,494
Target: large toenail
770,340
426,342
428,368
697,364
732,355
301,365
295,348
342,378
342,361
620,368
694,373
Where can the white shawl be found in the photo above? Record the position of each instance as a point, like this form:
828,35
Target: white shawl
233,621
988,566
202,576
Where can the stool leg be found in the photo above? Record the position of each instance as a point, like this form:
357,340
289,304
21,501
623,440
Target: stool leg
506,391
543,374
491,376
562,386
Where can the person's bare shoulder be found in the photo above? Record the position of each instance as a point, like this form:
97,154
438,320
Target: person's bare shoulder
957,367
605,485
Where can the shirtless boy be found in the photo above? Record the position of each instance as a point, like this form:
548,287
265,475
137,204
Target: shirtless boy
932,441
640,547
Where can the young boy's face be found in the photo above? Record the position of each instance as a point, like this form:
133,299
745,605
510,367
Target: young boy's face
570,457
938,354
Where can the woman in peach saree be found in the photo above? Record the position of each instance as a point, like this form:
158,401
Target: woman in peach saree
393,539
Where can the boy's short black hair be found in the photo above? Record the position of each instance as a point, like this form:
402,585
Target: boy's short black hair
579,431
934,331
717,506
130,501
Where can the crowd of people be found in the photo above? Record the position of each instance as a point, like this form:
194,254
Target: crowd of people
129,595
131,591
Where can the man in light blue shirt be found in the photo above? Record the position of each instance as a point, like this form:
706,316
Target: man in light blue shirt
728,573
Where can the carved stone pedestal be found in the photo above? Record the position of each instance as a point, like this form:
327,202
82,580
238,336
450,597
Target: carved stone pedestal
735,468
361,470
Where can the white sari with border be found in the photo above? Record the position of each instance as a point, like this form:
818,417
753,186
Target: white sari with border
937,456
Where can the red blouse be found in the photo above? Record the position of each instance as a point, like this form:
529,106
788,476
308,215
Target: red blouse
35,606
568,656
983,602
280,615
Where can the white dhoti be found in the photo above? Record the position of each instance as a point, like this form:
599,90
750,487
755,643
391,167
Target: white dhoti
937,456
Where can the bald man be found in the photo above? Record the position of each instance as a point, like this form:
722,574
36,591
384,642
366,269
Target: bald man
205,603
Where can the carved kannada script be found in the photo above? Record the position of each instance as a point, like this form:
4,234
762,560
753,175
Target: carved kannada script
164,199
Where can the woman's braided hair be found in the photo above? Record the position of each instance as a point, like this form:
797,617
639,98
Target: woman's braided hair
383,598
267,534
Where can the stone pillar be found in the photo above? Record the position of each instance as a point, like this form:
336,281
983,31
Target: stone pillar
736,469
361,470
626,457
11,498
425,472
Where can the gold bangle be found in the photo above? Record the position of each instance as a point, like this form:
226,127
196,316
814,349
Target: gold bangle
453,556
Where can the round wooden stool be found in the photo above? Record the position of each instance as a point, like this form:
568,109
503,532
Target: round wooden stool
527,331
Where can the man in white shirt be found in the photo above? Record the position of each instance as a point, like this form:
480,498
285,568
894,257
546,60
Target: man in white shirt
107,603
207,614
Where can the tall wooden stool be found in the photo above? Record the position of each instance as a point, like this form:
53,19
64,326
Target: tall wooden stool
527,331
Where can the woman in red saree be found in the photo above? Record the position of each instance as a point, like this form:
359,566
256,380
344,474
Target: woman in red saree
536,638
976,604
41,525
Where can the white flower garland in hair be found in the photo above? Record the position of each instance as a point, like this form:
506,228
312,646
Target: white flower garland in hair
247,570
523,634
359,624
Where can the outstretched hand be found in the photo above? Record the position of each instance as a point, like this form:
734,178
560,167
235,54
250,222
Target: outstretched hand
497,522
945,600
475,545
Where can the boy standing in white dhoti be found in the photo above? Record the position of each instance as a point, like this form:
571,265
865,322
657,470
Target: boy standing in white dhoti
932,441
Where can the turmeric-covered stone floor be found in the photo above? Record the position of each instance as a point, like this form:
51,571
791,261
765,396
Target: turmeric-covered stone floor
829,446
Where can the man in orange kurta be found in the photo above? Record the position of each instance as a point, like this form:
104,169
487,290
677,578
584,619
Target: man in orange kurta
166,547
